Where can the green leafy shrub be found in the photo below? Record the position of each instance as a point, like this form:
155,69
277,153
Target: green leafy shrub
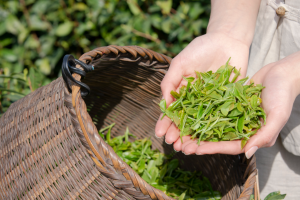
36,34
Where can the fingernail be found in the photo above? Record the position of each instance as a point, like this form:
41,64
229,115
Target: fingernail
186,153
156,136
175,149
167,143
251,151
199,154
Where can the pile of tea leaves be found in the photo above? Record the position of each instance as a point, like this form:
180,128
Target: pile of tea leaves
213,108
272,196
159,170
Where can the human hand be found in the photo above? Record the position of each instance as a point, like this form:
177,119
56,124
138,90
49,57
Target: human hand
281,80
205,53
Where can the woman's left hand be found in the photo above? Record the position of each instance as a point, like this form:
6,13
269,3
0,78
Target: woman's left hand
282,85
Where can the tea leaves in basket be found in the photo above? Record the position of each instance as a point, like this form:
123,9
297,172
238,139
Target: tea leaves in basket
213,108
272,196
159,170
275,196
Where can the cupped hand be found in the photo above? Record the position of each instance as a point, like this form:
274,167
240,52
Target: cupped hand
205,53
281,83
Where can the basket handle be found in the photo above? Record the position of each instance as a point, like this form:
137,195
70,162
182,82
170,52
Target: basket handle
256,187
69,67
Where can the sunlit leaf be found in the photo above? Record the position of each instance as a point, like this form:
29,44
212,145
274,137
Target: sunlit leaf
165,6
13,25
275,196
44,66
64,29
134,7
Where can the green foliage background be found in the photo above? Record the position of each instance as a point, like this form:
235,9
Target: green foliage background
36,34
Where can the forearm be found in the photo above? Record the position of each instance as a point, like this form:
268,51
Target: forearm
236,18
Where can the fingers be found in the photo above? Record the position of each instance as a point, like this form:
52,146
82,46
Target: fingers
172,79
223,147
162,126
267,135
178,145
190,146
187,145
172,135
170,82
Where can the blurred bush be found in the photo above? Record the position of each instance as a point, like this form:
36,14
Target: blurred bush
36,34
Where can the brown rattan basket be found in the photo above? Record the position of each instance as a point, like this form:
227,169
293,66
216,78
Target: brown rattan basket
50,147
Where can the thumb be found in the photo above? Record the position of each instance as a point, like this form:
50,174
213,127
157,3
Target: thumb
267,135
172,80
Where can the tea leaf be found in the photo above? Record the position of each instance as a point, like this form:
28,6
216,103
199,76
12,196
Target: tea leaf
182,196
188,79
142,166
175,94
235,112
240,107
243,143
154,174
225,108
159,160
241,124
229,136
215,95
275,196
242,81
176,118
163,105
191,111
239,87
254,101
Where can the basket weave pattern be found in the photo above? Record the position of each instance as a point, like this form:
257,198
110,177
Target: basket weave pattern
41,155
50,147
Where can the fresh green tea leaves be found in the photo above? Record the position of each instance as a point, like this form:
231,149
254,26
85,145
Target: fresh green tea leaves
241,124
163,105
275,196
225,108
243,143
272,196
211,97
159,170
175,94
254,102
141,166
189,79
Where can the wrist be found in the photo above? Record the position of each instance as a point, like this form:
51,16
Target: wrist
232,31
234,18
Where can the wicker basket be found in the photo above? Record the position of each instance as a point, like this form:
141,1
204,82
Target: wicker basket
50,147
